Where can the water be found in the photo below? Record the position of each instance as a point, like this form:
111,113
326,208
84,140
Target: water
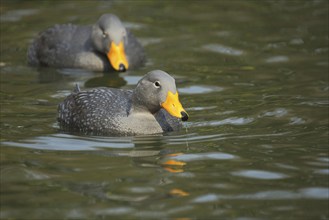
253,76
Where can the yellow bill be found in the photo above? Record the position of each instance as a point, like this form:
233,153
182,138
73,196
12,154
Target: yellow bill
173,106
117,56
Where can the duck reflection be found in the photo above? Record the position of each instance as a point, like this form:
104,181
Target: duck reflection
113,80
173,165
178,192
145,158
84,77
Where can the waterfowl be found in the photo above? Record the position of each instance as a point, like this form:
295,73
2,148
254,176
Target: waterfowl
152,107
105,46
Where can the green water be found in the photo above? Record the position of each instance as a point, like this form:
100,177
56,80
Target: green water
253,76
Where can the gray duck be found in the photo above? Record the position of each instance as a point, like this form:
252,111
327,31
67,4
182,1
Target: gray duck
152,107
105,46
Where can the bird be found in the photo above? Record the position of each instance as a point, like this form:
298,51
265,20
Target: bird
152,107
105,46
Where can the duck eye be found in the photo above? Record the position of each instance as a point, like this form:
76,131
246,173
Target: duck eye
105,35
157,84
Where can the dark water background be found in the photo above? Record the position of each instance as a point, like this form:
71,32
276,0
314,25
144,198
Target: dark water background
253,76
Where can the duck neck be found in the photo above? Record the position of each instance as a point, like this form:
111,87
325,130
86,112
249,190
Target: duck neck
140,105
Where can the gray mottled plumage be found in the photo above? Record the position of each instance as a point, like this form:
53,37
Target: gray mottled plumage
72,46
103,111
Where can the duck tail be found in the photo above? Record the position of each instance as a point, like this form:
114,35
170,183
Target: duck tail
77,88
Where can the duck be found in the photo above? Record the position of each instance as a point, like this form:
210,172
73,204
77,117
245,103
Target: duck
105,46
152,107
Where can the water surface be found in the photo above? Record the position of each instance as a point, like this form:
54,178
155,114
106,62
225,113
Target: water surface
253,76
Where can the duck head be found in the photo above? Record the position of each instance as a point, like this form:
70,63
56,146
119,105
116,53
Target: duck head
157,90
109,36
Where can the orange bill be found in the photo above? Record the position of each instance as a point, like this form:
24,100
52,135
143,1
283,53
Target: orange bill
178,192
117,56
174,162
173,106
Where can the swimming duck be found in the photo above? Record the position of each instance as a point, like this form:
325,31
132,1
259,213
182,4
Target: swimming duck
152,107
104,46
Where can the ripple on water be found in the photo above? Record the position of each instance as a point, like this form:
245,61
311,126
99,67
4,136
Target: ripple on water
278,112
317,103
201,108
206,198
17,15
305,193
277,59
323,159
132,25
227,121
72,143
296,121
114,211
142,189
296,41
198,138
200,89
315,192
195,138
205,156
61,94
222,49
147,41
322,171
259,174
19,173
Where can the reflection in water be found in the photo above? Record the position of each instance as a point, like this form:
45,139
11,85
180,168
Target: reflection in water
80,76
52,75
106,80
173,165
178,192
